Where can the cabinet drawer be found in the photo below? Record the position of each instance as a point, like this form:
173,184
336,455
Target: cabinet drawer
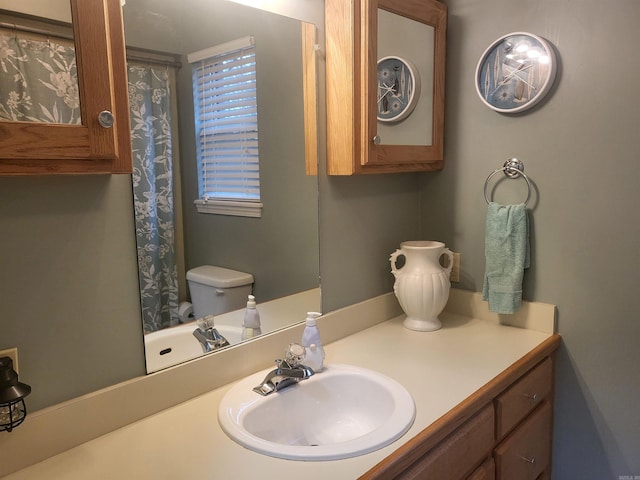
486,471
523,397
457,455
526,453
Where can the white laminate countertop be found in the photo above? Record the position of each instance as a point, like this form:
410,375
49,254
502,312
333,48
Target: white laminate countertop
440,369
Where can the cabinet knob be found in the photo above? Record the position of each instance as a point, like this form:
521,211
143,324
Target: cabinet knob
532,396
377,140
105,119
528,460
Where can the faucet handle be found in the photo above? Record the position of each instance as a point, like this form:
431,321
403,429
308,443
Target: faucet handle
206,322
294,355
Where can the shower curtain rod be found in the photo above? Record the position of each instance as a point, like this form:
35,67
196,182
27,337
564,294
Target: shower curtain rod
22,28
133,53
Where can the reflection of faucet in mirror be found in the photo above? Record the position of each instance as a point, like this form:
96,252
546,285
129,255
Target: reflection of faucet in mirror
206,333
287,372
170,346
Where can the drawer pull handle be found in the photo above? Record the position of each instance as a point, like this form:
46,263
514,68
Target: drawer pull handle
532,396
528,460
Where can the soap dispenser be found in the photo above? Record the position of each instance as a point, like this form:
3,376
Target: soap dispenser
314,352
251,325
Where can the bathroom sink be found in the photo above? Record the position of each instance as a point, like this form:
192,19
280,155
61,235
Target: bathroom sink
174,345
343,411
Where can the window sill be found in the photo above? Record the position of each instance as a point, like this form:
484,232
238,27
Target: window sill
227,207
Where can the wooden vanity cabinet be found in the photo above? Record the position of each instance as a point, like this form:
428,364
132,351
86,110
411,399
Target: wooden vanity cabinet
351,28
459,453
502,432
33,148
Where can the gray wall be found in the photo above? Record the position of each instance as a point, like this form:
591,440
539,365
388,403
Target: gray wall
581,150
68,283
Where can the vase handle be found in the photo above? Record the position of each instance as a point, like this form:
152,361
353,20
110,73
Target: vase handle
449,266
392,260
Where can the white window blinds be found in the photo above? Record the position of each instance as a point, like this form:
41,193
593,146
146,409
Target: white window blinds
226,119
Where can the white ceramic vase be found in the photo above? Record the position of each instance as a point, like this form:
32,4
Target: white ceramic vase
422,285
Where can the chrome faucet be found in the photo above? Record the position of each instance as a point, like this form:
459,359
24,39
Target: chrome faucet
210,339
287,372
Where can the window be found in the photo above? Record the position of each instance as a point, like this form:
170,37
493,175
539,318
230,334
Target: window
226,119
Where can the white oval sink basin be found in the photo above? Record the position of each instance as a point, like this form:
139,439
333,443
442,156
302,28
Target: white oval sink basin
343,411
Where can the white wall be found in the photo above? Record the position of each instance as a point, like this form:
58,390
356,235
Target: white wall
581,150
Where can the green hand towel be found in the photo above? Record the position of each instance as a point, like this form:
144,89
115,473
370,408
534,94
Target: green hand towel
506,255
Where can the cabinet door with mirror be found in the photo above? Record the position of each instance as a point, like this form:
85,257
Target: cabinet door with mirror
36,138
385,85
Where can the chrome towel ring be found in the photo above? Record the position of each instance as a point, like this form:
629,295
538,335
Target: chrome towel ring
513,168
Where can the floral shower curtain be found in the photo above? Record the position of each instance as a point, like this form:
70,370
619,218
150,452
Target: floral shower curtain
149,101
41,80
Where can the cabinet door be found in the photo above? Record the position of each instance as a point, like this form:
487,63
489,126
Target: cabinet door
374,150
352,88
43,148
457,455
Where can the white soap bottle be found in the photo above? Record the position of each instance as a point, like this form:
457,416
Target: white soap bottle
314,352
251,325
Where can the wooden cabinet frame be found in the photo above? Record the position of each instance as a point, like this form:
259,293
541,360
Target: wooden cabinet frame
31,148
351,31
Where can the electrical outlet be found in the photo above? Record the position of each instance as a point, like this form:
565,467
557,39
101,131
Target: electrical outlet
455,270
12,353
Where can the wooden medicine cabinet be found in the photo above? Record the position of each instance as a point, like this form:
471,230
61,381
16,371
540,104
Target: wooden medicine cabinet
102,142
358,34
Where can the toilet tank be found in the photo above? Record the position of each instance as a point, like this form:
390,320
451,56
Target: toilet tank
215,290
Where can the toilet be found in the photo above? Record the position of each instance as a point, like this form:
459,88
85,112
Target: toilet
215,290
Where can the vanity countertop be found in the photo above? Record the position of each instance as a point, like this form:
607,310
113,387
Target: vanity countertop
440,369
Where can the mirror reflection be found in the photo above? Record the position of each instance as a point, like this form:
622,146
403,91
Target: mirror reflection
38,75
193,262
415,45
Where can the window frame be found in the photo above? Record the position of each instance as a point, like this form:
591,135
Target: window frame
244,198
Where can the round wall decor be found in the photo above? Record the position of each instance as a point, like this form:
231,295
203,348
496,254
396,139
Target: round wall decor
398,89
515,72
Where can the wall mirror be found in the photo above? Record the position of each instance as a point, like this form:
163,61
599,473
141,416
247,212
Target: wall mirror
418,136
404,90
280,249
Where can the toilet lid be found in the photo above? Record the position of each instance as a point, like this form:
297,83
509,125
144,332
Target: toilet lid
219,277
